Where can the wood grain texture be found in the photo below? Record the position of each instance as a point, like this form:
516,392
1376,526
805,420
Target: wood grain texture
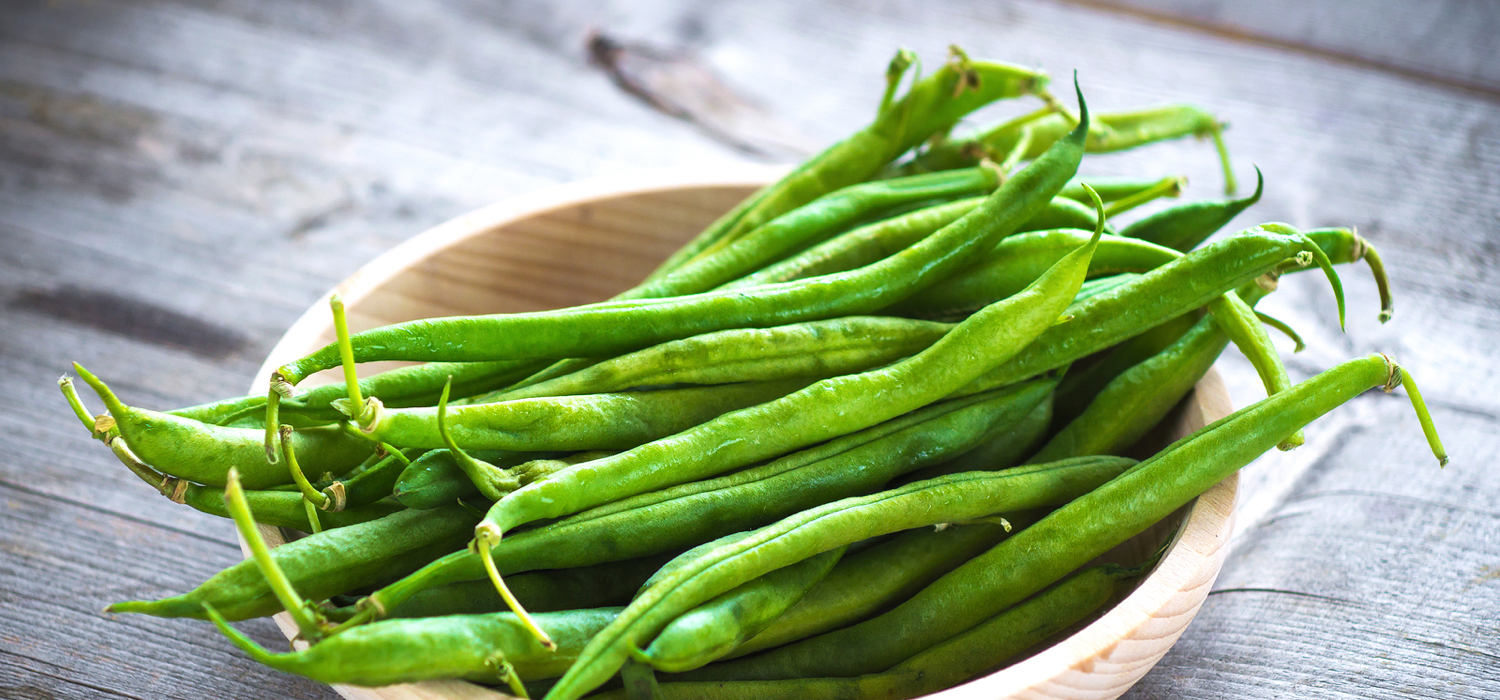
230,161
574,232
1450,42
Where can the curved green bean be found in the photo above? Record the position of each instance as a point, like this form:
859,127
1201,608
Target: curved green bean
600,421
952,498
931,105
718,626
481,648
814,349
1073,534
321,566
204,453
1186,225
685,515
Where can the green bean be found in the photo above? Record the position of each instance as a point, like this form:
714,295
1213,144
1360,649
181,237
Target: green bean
1062,212
865,583
1168,187
718,626
471,647
1154,298
1021,259
930,106
1078,388
599,421
614,327
826,409
1113,189
1116,131
860,246
274,508
1345,245
310,623
688,514
1005,446
596,586
204,453
417,385
1139,397
1080,385
1285,329
815,349
1236,319
324,565
1075,533
881,239
812,223
1186,225
945,665
952,498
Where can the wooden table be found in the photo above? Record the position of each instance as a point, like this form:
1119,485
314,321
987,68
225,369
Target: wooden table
178,181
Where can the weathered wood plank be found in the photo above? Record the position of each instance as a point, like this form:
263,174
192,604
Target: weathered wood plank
1450,41
63,563
1356,584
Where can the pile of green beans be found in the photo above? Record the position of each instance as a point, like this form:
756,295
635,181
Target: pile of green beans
860,438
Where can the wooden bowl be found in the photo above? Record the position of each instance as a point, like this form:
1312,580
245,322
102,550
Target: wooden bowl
586,241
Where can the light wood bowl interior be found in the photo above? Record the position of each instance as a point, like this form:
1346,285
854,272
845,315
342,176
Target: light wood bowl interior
586,241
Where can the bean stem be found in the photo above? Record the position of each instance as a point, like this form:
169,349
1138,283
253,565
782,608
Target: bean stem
307,621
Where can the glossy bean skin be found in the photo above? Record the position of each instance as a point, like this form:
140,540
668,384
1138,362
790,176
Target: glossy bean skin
324,565
717,627
1186,225
598,586
1078,388
868,581
454,646
824,410
860,246
881,239
1152,299
616,327
602,421
1004,447
813,223
1063,212
815,349
1021,259
1238,322
1068,538
931,105
945,665
686,515
204,454
1137,399
952,498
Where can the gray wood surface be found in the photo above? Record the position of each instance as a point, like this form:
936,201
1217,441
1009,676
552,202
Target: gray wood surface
179,180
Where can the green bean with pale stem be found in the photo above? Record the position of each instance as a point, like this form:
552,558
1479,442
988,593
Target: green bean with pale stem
682,516
1074,534
951,498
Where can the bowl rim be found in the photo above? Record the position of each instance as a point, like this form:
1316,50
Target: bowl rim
1154,613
